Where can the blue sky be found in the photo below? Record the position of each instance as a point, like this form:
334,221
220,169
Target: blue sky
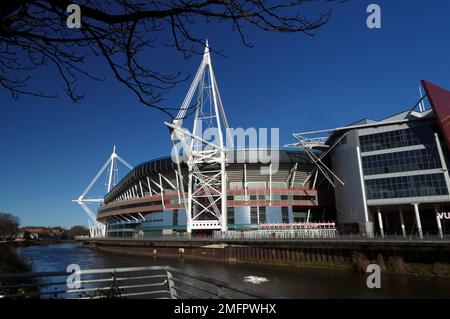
50,149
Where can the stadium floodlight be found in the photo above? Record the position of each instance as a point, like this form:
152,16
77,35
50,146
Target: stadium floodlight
96,228
206,202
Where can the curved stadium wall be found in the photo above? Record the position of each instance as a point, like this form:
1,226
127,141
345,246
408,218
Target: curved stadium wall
148,201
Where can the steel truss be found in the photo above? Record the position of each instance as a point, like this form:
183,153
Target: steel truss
206,202
96,228
307,144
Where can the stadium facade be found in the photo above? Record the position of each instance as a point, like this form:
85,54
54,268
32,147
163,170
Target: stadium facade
370,177
148,200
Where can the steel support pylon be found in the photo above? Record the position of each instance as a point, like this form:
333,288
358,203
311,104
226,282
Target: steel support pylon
204,151
96,228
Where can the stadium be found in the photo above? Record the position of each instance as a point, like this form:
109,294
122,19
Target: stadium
149,200
212,182
370,178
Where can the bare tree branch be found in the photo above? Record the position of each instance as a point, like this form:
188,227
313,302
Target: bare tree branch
34,35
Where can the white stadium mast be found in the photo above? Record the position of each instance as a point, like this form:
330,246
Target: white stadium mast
204,147
97,229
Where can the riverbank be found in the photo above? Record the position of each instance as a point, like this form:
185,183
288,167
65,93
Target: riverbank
44,242
39,242
425,258
11,261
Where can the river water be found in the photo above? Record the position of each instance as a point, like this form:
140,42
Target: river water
290,282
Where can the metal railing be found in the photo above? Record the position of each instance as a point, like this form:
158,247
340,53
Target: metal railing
278,234
329,234
161,282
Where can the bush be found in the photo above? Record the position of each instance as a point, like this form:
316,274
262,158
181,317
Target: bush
11,262
441,269
380,262
360,262
396,264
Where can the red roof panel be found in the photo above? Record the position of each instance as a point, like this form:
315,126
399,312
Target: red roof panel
440,102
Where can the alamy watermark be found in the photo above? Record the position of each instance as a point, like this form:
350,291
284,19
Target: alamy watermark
73,21
74,279
374,19
249,145
374,279
443,215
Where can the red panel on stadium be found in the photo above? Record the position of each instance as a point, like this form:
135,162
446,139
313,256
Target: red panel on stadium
440,102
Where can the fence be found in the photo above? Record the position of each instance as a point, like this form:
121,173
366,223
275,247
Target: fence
277,234
162,282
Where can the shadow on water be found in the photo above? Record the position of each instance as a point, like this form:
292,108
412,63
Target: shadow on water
285,281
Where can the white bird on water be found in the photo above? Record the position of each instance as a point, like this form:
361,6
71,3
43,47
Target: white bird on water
255,279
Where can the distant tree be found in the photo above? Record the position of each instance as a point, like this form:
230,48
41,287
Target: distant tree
9,225
34,34
77,231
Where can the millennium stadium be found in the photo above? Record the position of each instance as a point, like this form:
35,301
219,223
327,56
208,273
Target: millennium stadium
151,199
372,177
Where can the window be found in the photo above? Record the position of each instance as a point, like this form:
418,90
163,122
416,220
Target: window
284,197
285,215
175,217
253,197
253,215
230,215
304,197
299,216
401,162
262,214
391,139
406,186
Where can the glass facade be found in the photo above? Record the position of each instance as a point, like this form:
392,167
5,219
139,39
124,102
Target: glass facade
400,162
406,186
386,140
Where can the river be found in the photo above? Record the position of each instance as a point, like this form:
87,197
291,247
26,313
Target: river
291,282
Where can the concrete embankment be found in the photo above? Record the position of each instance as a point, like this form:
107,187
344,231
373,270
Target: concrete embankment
397,256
